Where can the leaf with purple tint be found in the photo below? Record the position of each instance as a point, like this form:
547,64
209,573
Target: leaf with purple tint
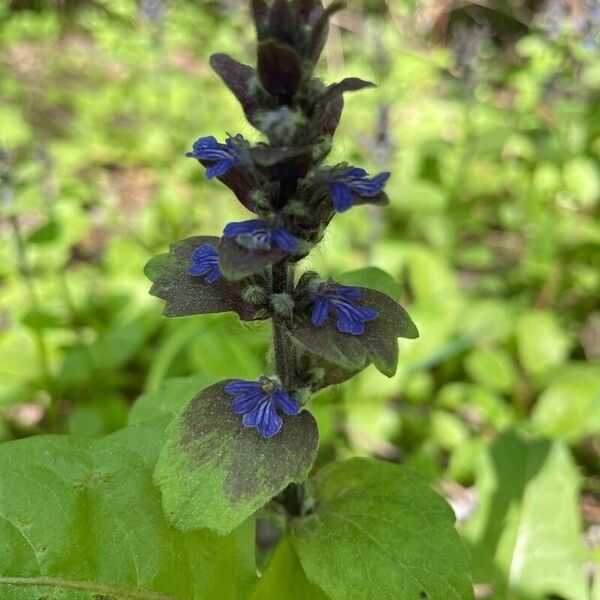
215,473
187,295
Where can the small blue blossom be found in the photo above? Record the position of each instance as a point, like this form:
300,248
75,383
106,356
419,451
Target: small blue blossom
351,318
258,234
258,401
225,155
343,183
205,261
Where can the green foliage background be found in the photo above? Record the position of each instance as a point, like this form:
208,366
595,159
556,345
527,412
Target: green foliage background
492,133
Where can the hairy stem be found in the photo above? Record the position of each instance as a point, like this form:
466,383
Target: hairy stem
283,347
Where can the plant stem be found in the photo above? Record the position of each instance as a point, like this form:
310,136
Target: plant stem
283,347
37,327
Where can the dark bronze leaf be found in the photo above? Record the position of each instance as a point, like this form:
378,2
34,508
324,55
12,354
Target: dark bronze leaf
279,68
188,295
237,262
378,344
237,77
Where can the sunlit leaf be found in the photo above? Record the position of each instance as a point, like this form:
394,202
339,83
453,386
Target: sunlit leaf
378,532
82,520
526,533
285,578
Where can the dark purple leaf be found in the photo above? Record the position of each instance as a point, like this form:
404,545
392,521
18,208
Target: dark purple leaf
279,68
307,9
237,262
350,84
260,11
282,162
237,77
378,344
328,108
282,26
238,181
321,30
187,295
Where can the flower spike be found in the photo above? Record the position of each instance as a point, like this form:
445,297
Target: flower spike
354,180
225,155
258,401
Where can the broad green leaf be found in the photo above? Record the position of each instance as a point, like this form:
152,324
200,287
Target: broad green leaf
81,520
570,406
378,344
526,534
215,473
374,278
542,344
237,262
379,532
186,294
284,577
169,399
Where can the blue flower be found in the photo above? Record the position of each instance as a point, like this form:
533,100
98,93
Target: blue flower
225,155
258,401
351,318
258,234
343,183
205,261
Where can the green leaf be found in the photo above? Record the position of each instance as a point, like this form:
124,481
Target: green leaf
526,533
570,406
186,294
215,473
492,367
378,344
81,520
237,262
541,342
46,233
374,278
379,532
285,578
169,399
581,177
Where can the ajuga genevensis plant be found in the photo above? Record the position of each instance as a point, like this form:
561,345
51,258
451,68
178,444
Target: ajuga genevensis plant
240,446
323,332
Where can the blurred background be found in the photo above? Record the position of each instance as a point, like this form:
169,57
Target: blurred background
488,116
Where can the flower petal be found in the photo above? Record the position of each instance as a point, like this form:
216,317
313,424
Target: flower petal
248,401
221,167
370,187
342,196
286,403
320,311
214,274
347,324
232,230
240,386
264,418
284,240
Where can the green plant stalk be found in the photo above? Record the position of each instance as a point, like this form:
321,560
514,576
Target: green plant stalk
38,329
284,352
283,348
